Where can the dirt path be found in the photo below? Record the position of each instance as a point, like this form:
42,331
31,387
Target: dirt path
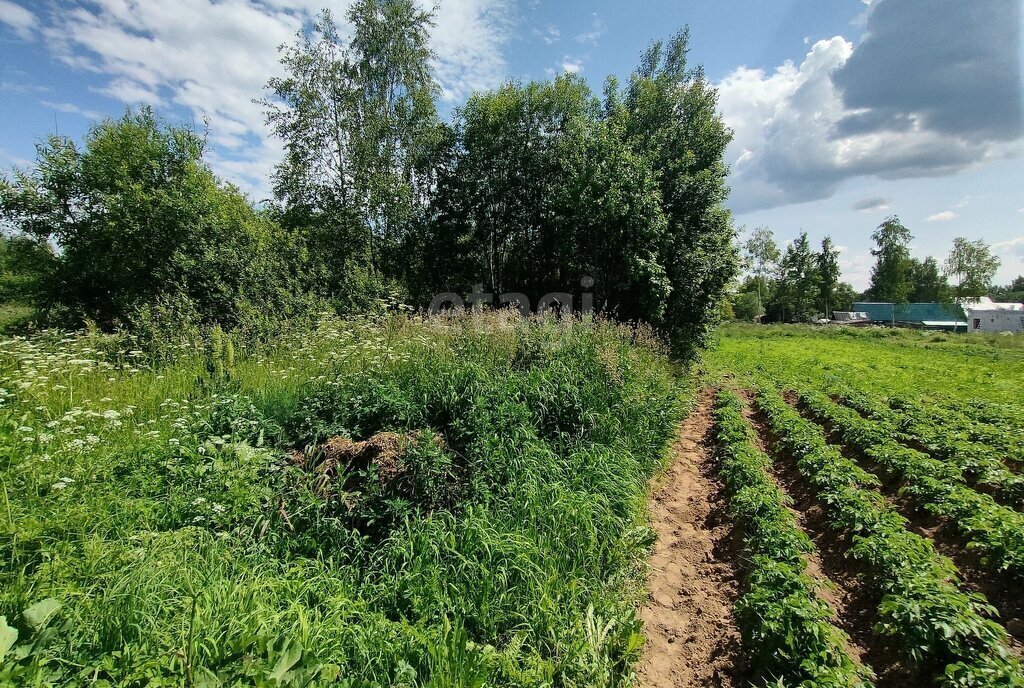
692,639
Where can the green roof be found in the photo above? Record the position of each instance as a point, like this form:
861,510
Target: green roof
910,312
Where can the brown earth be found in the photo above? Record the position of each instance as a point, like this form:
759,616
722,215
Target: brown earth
692,639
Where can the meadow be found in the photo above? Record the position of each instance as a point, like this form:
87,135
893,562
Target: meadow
159,529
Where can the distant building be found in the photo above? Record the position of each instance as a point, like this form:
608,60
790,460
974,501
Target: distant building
927,316
986,315
850,318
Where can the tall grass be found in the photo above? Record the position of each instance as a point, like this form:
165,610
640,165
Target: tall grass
155,505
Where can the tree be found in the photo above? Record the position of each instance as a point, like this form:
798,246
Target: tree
359,123
828,273
795,292
542,194
26,264
890,277
542,185
139,219
843,297
974,266
1017,284
762,255
928,285
746,305
672,120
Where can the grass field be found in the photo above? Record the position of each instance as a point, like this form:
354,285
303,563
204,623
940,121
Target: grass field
397,502
158,529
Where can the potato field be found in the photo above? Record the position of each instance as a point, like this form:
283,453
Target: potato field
870,482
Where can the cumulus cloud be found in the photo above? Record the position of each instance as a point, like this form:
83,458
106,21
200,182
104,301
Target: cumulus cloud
856,269
944,216
468,38
798,134
872,204
945,65
19,19
211,59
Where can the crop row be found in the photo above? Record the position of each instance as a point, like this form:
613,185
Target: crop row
938,434
941,627
1001,440
936,486
787,631
1001,415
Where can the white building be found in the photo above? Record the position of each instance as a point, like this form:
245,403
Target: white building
986,315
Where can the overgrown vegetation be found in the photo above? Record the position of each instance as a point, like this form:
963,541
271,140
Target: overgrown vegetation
157,531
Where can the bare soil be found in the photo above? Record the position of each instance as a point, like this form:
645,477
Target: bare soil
692,638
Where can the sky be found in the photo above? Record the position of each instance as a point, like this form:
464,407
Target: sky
843,111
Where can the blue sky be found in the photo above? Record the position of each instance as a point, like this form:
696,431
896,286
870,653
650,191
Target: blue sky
844,111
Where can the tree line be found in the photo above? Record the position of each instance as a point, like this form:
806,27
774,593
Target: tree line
801,284
533,188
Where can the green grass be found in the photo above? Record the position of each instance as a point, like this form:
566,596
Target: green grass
153,531
906,362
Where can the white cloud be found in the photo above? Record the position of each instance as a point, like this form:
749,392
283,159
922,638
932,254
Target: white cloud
1012,246
468,38
72,109
1011,253
944,216
19,88
19,19
131,93
784,126
212,58
572,65
549,34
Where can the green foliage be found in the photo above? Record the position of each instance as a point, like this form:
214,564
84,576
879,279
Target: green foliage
974,265
827,265
141,223
890,277
184,545
929,285
996,531
542,185
938,624
980,450
787,630
797,285
541,194
359,124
